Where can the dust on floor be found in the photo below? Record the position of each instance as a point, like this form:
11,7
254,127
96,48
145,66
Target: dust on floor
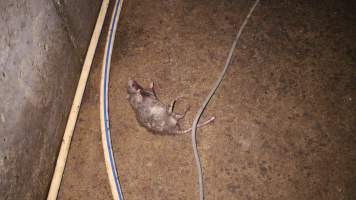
285,110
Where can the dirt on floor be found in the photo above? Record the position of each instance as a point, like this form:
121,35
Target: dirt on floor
285,112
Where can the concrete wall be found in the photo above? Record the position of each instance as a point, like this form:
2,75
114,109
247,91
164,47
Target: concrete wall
42,44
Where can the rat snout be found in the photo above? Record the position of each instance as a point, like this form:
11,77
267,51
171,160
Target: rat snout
130,83
132,86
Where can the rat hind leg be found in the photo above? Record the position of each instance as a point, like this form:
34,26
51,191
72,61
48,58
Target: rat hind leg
181,116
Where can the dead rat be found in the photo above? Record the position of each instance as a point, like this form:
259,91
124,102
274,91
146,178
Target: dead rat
153,114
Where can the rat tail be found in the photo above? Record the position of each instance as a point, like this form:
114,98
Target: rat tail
199,125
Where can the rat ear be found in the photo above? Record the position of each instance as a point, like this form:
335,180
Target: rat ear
138,91
152,88
151,84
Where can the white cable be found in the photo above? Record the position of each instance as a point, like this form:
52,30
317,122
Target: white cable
207,99
73,115
104,115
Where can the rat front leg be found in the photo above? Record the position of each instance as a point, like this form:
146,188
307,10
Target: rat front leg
171,105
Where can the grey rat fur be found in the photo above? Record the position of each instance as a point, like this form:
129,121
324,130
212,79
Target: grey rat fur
153,114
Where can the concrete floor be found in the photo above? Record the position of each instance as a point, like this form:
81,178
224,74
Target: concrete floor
285,112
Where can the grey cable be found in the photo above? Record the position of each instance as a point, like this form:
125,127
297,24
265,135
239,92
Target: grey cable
206,101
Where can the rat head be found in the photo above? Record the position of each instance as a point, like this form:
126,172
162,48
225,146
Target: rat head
134,95
133,87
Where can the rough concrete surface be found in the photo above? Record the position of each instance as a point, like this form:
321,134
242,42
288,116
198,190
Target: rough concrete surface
79,19
285,113
39,70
